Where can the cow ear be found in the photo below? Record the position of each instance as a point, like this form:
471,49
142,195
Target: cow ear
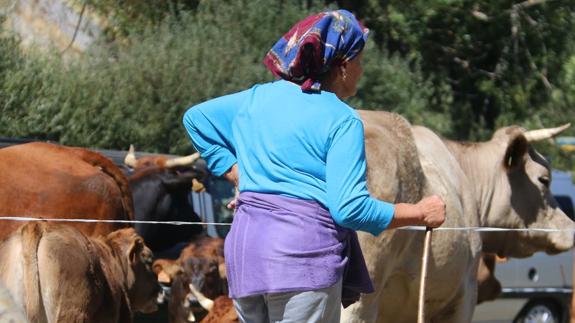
135,249
166,270
515,154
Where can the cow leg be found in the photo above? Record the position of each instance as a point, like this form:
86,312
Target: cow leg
364,311
462,306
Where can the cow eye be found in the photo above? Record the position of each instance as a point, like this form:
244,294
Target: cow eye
545,180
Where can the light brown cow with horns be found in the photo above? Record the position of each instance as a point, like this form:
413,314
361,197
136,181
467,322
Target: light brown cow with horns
502,183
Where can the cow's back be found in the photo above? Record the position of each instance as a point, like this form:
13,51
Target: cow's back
52,181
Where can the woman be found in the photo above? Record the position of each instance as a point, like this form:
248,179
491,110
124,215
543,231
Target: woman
292,253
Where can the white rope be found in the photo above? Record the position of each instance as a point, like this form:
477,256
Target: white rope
15,218
407,228
486,229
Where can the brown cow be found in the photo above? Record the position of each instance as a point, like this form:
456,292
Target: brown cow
58,274
52,181
200,266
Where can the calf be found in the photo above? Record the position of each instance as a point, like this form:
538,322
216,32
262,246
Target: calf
58,274
200,266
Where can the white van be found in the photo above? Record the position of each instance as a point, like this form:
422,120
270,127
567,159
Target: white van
539,288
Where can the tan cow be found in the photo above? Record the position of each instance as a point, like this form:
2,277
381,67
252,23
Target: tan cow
58,274
53,181
502,183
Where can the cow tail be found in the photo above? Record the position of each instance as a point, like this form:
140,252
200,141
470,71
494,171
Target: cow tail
110,169
31,235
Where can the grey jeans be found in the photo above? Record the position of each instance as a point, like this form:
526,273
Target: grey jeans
318,306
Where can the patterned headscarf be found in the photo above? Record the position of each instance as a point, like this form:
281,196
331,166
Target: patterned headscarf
315,44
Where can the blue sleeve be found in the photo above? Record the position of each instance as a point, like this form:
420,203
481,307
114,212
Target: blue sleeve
209,126
349,201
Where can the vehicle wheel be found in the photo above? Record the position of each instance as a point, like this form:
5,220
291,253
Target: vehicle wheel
539,312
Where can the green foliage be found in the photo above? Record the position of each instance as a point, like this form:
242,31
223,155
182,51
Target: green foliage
117,95
502,59
129,16
390,84
560,110
462,68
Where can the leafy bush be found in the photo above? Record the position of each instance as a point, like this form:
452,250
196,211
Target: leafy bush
439,63
137,92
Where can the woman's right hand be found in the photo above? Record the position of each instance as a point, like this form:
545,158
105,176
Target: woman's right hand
429,212
232,176
432,210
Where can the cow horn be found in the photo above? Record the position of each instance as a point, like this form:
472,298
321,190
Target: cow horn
191,317
161,297
206,303
542,134
130,159
182,161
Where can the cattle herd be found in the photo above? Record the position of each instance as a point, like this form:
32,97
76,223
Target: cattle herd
105,271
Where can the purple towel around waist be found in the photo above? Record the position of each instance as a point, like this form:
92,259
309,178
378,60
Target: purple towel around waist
283,244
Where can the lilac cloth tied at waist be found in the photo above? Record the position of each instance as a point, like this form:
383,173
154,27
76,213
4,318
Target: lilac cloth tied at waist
284,244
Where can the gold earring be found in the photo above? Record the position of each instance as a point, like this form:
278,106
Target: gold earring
344,75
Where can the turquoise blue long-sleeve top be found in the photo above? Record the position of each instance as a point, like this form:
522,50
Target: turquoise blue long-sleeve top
296,144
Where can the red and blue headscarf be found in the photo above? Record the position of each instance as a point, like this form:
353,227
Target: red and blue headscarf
315,44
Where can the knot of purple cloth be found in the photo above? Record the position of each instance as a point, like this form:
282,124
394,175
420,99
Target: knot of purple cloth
282,244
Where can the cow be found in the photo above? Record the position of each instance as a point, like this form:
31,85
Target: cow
161,187
503,182
53,181
201,267
58,274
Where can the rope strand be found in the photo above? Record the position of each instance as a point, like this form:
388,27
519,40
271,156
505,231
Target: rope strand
408,228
